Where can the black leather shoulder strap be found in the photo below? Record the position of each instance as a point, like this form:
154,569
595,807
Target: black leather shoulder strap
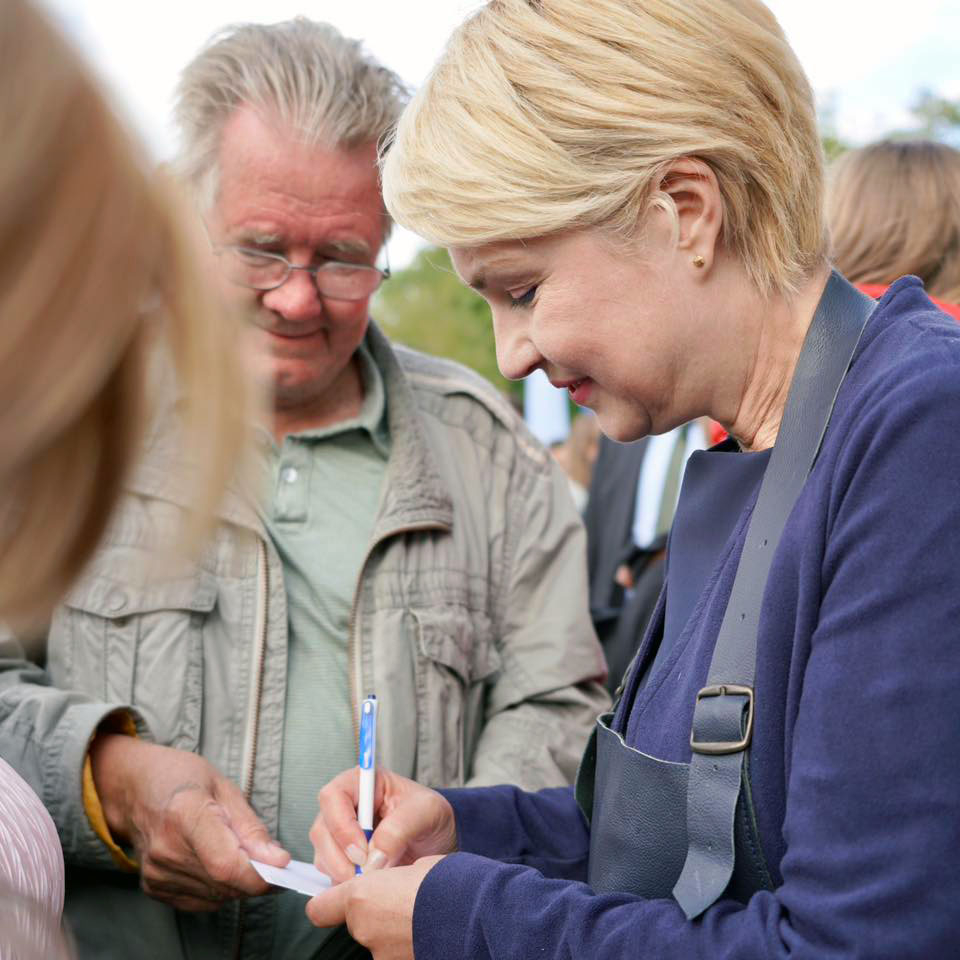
724,713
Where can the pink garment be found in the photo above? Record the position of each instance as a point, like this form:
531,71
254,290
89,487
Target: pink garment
31,873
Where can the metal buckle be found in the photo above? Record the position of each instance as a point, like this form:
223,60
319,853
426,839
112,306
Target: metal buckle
725,746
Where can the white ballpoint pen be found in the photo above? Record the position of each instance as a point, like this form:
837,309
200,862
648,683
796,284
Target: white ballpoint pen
368,766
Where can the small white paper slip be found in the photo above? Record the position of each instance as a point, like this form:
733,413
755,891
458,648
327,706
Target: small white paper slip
303,877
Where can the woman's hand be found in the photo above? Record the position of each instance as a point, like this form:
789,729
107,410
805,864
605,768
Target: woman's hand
377,908
414,822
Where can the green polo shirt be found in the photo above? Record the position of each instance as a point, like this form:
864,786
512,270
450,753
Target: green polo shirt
325,489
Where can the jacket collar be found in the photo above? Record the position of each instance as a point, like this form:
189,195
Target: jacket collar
414,492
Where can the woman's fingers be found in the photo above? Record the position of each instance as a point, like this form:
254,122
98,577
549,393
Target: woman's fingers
337,855
338,841
413,821
329,909
420,823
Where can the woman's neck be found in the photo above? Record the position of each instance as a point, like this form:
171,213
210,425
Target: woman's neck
779,327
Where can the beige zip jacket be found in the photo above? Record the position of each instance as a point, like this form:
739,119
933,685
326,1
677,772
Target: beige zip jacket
470,616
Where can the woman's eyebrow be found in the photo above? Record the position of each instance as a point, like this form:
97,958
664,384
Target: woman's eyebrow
503,275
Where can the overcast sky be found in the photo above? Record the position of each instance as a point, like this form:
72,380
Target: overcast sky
865,63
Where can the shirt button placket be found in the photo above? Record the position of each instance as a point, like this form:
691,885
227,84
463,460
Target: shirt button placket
291,492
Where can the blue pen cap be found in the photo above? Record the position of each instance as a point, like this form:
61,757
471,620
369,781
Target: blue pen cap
368,733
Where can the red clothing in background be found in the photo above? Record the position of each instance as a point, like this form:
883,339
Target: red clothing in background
877,290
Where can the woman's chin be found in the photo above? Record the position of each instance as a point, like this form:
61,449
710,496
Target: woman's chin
622,429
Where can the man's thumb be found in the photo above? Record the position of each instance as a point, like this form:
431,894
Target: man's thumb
253,836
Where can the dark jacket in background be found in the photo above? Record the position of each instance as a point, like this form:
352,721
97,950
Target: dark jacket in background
618,619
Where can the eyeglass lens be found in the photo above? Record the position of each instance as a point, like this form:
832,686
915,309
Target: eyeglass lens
339,281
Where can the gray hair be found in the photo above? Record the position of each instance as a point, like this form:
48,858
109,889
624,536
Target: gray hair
320,84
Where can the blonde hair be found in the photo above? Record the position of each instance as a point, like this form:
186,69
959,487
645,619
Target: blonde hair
95,269
543,115
893,209
322,85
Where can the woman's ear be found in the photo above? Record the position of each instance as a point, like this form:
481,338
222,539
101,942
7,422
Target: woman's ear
692,186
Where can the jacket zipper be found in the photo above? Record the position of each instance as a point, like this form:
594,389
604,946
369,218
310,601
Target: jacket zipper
256,675
253,703
357,693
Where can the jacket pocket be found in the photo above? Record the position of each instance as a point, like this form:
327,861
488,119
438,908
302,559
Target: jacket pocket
143,645
454,656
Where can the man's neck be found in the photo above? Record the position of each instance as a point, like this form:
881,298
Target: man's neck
340,401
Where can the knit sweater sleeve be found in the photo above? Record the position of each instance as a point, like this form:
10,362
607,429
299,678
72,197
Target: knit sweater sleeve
544,829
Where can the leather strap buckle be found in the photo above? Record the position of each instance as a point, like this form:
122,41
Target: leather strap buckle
725,746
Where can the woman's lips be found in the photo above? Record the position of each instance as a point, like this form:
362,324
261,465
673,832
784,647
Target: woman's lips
580,391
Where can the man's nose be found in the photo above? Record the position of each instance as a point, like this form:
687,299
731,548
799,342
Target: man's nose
296,298
517,356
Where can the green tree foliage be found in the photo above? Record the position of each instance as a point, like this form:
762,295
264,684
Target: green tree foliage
425,306
937,118
932,117
833,145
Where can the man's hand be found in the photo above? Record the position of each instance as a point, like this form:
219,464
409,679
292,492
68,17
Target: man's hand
377,908
623,577
191,827
414,822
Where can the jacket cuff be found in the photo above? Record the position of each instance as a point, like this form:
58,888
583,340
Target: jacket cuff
119,722
63,764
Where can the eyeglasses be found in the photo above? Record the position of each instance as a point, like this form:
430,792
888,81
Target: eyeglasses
260,270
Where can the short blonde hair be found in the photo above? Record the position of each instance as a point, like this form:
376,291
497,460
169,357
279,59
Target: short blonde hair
893,208
95,271
545,115
323,86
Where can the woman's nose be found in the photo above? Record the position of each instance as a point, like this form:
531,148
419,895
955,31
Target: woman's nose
517,356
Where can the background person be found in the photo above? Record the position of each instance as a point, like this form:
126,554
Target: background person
637,192
387,554
97,276
893,208
577,455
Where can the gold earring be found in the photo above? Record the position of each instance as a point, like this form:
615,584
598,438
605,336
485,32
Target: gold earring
698,261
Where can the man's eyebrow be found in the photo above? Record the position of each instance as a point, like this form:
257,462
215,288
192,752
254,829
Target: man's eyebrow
258,239
347,248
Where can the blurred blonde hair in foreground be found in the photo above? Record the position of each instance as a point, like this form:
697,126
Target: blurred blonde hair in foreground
894,208
97,278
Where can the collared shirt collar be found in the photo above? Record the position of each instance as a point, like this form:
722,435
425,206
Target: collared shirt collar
372,416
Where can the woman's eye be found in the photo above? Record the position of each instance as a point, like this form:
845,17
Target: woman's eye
525,298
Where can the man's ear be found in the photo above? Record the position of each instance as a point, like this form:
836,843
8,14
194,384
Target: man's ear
692,186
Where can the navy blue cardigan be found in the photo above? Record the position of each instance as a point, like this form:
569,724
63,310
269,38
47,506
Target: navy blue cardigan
854,760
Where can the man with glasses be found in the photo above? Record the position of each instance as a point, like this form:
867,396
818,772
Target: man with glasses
412,540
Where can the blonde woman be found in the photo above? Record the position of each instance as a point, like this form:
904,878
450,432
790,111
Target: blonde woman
893,209
636,189
99,288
